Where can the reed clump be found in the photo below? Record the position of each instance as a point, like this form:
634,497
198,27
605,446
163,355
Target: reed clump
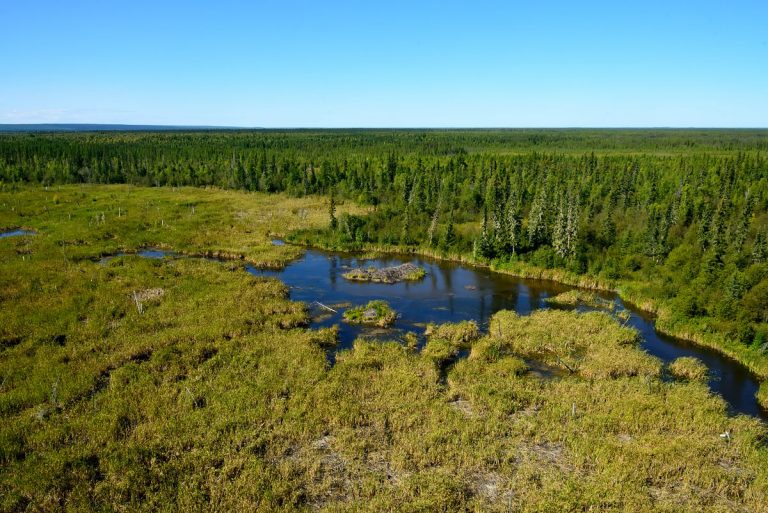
375,313
689,368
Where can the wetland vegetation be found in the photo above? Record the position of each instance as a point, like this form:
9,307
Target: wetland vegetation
188,384
377,313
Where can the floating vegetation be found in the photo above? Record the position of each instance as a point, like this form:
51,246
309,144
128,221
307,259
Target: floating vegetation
375,313
689,368
398,273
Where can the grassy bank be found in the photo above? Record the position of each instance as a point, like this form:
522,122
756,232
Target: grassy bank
189,385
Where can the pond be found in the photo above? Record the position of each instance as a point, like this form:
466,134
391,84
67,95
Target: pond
451,292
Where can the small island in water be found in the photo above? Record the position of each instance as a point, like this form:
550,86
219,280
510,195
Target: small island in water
394,274
375,313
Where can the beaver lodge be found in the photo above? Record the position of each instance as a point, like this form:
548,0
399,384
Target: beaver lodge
404,272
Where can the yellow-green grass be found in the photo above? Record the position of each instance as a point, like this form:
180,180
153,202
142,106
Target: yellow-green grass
689,368
86,222
446,340
376,313
214,397
600,349
762,395
580,297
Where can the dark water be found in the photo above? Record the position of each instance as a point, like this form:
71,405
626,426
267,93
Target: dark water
15,233
451,293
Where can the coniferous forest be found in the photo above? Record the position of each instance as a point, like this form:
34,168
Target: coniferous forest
679,216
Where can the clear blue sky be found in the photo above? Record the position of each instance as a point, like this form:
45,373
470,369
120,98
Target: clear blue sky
395,64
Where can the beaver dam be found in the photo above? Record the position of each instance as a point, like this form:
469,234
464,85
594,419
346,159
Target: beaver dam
395,274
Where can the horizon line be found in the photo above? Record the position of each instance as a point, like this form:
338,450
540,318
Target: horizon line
144,126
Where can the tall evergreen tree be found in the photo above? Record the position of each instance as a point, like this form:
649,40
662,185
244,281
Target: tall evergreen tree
334,223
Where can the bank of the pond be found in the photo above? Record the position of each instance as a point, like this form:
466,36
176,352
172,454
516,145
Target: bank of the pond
664,318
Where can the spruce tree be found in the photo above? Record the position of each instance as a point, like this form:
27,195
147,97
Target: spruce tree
332,212
759,249
559,231
483,246
537,227
609,228
513,226
572,225
449,238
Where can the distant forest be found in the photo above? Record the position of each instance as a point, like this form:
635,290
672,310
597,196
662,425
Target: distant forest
683,212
